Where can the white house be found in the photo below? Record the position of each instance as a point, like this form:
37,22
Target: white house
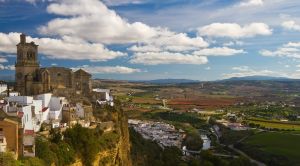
56,105
105,96
21,106
46,98
21,100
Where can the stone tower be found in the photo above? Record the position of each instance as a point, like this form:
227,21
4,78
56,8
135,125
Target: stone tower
26,65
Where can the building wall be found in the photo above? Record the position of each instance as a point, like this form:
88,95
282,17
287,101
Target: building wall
46,99
27,121
24,100
3,88
10,131
56,104
60,77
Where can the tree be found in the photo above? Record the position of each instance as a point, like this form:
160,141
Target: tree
8,159
55,135
171,156
64,152
84,141
44,152
32,161
193,141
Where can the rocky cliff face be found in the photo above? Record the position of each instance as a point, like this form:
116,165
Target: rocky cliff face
119,155
123,148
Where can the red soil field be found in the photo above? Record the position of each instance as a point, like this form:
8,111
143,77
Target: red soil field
202,102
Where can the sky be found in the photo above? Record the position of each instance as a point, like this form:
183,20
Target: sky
154,39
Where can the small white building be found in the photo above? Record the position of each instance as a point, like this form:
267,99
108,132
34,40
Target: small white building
3,88
14,94
46,98
56,105
206,142
105,96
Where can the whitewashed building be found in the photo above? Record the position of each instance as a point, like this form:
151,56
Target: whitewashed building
105,96
56,106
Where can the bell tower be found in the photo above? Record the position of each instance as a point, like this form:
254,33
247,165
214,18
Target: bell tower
26,65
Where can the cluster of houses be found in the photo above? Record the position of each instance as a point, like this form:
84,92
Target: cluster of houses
22,117
164,134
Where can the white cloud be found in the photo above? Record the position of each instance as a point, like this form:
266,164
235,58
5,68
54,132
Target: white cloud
291,25
291,50
241,68
122,2
292,44
108,69
232,43
219,51
61,48
233,30
243,71
94,22
169,41
249,3
154,58
7,67
3,59
207,68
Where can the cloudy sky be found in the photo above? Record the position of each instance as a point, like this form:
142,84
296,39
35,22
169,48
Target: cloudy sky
154,39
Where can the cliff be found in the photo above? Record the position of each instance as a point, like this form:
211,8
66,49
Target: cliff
117,153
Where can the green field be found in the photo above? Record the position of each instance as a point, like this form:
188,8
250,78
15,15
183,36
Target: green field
274,148
275,124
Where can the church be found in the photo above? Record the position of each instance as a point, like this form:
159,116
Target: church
33,80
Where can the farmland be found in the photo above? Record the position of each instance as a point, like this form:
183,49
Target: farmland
273,148
269,111
273,124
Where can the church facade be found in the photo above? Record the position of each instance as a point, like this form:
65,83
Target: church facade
32,80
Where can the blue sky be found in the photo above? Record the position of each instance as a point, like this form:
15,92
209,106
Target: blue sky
153,39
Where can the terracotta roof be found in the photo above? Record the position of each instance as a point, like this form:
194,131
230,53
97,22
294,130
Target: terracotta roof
20,114
28,132
44,109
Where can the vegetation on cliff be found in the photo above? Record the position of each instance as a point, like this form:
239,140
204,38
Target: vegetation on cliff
87,144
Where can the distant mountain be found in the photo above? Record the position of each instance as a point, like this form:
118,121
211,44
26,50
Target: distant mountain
258,78
168,81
